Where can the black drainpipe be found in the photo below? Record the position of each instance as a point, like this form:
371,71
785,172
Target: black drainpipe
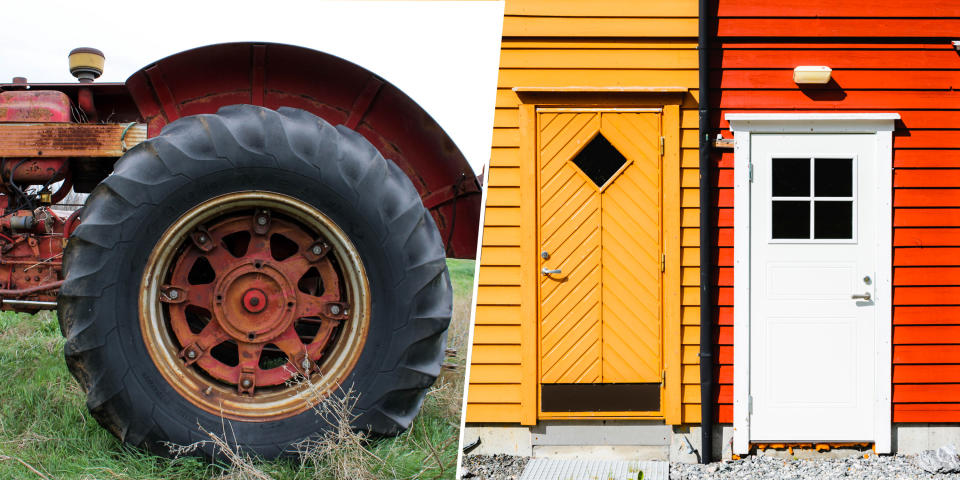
706,244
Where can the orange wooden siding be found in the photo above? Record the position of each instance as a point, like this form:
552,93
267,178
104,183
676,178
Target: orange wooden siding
565,43
903,71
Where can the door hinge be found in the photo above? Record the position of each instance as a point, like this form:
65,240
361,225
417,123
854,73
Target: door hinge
661,146
663,262
750,171
663,377
750,404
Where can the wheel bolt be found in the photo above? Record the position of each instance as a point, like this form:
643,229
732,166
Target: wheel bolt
246,383
335,309
173,294
316,250
191,354
202,238
261,220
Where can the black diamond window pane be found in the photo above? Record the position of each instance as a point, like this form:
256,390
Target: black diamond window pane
791,219
599,160
791,177
832,220
833,177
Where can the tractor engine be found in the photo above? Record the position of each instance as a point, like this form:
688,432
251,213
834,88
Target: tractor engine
52,142
32,233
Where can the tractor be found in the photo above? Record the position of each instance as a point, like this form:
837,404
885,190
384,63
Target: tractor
266,227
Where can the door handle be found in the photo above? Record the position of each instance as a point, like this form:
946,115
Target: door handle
865,296
547,271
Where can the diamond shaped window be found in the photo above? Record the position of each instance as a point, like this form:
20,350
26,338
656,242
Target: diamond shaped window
599,160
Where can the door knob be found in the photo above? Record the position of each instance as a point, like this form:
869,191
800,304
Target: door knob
547,271
865,296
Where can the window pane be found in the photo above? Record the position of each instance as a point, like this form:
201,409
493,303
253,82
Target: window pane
791,219
599,160
791,177
833,220
833,177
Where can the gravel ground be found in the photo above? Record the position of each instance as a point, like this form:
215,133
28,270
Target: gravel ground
854,467
892,467
493,467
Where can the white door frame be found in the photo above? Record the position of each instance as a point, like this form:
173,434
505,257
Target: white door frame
881,125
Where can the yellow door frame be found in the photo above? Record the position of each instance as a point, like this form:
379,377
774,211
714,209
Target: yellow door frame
669,100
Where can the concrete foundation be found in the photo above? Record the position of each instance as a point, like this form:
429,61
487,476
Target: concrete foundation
601,439
911,438
498,438
648,440
604,452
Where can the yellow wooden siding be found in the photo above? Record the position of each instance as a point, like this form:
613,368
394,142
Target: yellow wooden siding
550,43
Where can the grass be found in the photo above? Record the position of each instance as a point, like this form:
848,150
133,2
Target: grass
46,431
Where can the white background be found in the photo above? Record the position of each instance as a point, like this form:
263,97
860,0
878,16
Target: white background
443,54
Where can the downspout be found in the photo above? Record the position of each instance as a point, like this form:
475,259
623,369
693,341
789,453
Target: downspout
706,242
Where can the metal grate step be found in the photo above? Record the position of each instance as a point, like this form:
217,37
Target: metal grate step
579,469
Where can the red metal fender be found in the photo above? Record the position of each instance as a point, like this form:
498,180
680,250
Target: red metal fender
273,75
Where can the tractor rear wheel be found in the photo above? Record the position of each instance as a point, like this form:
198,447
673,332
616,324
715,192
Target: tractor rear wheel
242,267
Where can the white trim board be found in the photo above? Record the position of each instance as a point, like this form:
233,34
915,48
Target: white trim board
743,125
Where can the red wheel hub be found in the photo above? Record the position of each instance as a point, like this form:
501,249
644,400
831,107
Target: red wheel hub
254,300
270,295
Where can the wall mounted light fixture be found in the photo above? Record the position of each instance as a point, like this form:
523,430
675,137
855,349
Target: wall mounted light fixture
806,75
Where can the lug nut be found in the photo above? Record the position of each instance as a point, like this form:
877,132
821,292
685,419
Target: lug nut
316,250
191,354
173,294
202,239
261,220
305,364
335,309
246,383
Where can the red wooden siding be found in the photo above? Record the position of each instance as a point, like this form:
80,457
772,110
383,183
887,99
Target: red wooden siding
909,71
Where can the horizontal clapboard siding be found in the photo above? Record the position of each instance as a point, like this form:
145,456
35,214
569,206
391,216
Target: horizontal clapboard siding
903,72
829,18
563,43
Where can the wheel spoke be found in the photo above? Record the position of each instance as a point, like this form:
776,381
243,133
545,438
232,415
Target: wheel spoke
311,306
289,342
249,354
211,335
220,260
198,346
294,267
248,367
199,295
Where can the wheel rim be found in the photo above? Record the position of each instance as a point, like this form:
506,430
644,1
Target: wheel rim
248,294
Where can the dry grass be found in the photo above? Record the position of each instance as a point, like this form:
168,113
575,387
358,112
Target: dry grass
341,452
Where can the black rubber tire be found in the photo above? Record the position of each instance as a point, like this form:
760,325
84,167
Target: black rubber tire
244,147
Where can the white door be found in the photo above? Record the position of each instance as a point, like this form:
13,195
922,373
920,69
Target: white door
813,272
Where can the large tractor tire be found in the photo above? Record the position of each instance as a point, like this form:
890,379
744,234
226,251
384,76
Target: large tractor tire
242,267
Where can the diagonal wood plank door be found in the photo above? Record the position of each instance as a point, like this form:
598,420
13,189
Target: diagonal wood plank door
600,317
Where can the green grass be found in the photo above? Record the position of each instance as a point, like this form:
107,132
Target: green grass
461,276
44,422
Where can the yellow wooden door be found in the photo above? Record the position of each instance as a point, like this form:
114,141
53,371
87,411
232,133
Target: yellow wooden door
600,225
